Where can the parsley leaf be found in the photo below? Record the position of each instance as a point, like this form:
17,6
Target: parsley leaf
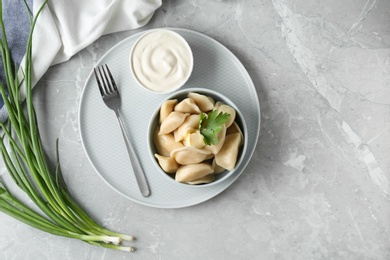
211,124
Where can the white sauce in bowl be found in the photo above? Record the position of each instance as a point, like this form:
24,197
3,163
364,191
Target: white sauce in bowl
161,61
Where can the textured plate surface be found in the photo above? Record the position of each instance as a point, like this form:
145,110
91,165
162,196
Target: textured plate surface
215,67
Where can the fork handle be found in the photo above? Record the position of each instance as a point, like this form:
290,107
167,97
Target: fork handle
138,171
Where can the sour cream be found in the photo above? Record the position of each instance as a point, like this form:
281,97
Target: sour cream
161,61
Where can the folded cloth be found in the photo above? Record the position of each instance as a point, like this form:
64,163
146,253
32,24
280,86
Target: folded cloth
66,27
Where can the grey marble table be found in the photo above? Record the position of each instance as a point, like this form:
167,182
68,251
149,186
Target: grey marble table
317,186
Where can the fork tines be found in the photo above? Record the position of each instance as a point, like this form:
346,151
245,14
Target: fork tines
105,80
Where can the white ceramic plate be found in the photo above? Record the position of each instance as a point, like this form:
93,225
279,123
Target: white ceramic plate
215,67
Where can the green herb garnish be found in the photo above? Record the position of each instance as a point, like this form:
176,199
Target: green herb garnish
211,124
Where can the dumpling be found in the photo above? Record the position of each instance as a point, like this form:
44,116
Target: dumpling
221,107
173,121
165,143
234,128
206,179
215,148
217,169
209,157
167,108
189,155
189,173
168,164
194,139
204,103
187,106
190,124
227,156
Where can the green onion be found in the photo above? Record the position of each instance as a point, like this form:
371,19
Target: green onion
24,157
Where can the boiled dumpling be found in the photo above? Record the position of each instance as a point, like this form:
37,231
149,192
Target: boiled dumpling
187,106
234,128
206,179
173,121
168,164
167,108
210,156
227,156
189,155
190,124
188,173
165,143
217,169
204,103
194,139
221,107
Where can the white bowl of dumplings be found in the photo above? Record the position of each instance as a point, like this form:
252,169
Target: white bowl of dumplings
177,147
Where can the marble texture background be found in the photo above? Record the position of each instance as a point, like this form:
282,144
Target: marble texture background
318,184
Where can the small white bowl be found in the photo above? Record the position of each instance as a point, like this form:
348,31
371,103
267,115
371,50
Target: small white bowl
180,95
161,61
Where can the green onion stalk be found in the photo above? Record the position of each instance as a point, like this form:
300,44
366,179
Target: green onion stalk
25,160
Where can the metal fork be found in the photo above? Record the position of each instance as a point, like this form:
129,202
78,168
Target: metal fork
111,98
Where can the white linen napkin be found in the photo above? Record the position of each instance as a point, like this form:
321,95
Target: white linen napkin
67,26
